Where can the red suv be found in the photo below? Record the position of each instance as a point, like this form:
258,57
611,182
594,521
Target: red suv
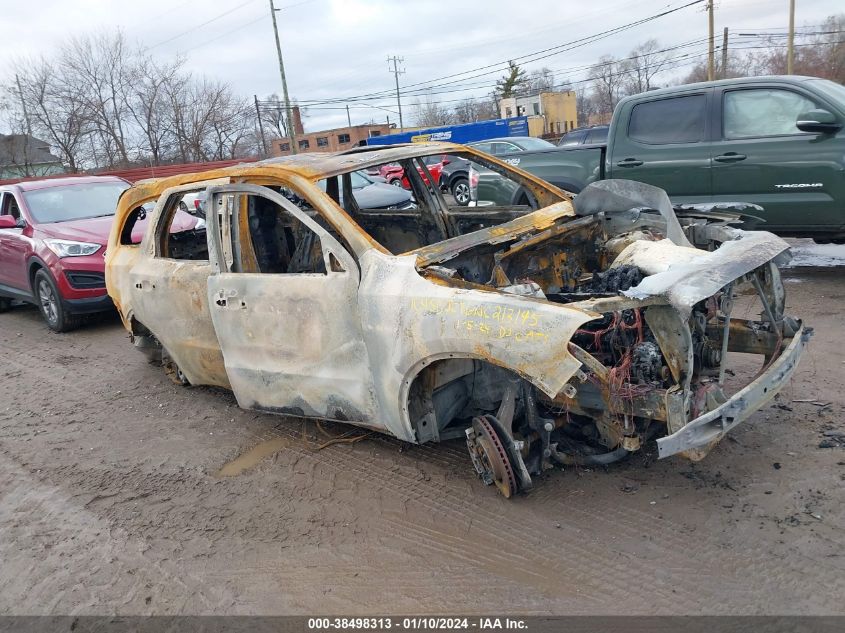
53,236
395,175
52,242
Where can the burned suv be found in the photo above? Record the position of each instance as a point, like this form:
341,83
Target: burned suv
557,332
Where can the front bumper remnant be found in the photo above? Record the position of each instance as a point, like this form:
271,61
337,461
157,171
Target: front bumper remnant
710,427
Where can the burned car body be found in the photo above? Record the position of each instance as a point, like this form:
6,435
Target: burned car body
545,334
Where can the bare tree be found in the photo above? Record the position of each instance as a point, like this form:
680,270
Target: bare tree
472,109
101,67
148,103
646,61
430,113
274,117
542,80
56,109
608,81
585,104
819,54
229,125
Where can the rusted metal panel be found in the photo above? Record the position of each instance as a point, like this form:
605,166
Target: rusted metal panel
410,323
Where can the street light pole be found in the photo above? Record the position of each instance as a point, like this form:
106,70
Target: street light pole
288,112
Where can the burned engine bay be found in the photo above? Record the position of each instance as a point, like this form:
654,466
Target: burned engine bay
654,358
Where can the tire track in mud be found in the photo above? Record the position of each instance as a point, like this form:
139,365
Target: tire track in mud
416,523
512,547
697,561
108,560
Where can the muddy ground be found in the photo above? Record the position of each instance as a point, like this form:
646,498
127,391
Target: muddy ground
112,500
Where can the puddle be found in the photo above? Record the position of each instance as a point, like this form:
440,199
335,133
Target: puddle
253,457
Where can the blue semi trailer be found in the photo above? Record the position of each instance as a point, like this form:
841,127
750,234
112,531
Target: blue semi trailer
463,133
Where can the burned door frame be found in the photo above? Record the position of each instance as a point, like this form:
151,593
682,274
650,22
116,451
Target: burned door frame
292,342
184,330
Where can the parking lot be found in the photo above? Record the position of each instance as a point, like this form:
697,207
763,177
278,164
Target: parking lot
138,496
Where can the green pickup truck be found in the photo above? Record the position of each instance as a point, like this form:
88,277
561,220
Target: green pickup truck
777,142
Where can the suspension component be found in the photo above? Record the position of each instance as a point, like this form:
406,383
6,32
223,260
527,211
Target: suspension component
490,457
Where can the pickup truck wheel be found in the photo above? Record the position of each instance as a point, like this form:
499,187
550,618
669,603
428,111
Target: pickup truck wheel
50,303
460,191
396,182
5,304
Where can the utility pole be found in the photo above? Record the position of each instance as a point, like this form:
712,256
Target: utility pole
294,148
790,51
396,72
23,106
260,125
711,57
725,54
348,118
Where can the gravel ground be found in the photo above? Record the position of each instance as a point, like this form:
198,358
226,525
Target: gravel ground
123,493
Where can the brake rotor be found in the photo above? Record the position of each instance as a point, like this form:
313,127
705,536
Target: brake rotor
491,459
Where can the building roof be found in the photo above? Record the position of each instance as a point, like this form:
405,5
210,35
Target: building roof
22,149
345,128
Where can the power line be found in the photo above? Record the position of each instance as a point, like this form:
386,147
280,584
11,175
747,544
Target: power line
155,18
432,89
243,26
567,24
225,34
202,24
686,59
535,55
463,87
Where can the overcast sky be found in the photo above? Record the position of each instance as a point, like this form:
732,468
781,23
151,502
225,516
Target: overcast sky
336,49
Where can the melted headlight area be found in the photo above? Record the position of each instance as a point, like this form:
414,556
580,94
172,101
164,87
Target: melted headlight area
646,370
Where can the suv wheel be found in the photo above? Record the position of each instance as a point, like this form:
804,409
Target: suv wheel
396,182
460,191
50,304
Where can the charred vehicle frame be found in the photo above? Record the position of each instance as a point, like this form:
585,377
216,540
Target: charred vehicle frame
564,331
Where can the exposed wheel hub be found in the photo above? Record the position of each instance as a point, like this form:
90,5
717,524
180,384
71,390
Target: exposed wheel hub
490,457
